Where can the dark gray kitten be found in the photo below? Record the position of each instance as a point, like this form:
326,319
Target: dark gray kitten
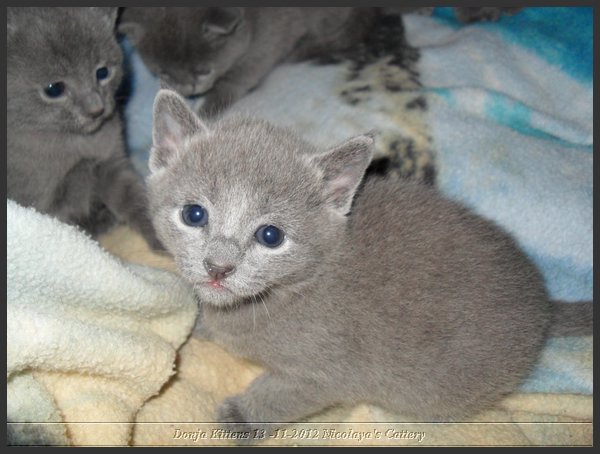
226,52
66,154
409,301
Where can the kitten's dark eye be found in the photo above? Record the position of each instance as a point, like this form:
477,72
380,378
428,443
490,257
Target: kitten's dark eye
269,235
55,90
194,215
102,73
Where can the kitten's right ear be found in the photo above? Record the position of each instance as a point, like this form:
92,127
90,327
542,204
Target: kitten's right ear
174,124
342,169
222,21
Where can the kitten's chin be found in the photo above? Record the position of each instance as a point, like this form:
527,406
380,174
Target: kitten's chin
218,297
225,298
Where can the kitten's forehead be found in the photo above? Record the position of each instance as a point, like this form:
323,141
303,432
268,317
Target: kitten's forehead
255,153
252,168
63,38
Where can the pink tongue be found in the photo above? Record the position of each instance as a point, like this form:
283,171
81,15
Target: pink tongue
215,284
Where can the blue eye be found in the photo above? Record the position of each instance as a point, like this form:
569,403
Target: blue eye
269,235
194,216
55,90
102,73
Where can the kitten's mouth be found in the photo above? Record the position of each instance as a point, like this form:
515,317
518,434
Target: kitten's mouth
95,124
218,294
216,285
92,127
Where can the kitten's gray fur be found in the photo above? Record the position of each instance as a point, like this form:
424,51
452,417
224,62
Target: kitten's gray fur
226,52
66,155
410,302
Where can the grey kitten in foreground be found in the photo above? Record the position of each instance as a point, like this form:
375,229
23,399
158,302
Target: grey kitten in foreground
66,153
398,297
227,51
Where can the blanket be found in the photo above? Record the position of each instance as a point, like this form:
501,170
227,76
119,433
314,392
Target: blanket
496,115
90,338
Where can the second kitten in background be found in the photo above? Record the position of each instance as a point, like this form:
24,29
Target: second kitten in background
65,148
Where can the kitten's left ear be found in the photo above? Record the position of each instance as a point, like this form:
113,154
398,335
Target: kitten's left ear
174,124
107,13
343,168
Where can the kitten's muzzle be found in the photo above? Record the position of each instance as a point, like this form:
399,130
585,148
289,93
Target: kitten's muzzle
93,105
218,272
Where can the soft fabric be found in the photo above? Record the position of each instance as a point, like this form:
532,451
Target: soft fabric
89,337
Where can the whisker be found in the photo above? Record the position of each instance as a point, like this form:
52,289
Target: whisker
253,316
264,305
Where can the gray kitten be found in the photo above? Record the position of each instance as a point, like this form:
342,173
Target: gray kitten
224,52
66,154
227,51
404,300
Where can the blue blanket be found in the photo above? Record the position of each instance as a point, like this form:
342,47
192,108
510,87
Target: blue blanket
509,114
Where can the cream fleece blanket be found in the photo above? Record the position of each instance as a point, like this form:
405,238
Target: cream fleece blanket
89,337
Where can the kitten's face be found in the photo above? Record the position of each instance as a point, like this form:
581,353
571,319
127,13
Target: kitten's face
243,208
247,199
64,66
188,48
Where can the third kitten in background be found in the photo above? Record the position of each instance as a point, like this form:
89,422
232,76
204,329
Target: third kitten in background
403,299
224,52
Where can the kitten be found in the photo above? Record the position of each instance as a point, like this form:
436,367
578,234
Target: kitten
409,301
66,153
226,52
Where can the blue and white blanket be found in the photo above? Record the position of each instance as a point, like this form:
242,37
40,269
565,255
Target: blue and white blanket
509,117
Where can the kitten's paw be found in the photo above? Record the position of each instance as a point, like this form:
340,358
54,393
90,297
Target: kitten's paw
212,106
231,415
220,98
